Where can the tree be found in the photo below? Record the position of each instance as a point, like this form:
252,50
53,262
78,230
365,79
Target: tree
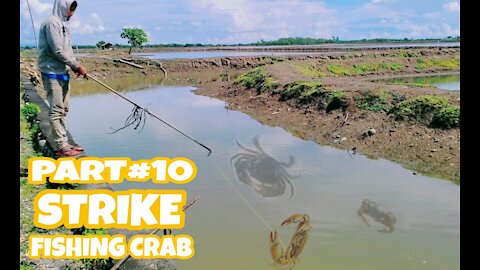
100,44
135,36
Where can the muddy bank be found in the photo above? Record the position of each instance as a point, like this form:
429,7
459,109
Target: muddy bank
33,143
377,134
415,145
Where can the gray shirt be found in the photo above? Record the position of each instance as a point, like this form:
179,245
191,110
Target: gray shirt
54,46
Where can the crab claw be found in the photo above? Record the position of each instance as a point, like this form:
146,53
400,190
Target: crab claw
273,236
275,250
296,218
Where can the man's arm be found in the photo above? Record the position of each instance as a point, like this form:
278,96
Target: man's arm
55,39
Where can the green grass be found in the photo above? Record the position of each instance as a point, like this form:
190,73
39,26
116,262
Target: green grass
375,101
405,53
269,85
95,232
99,264
257,79
446,118
27,267
337,100
428,81
28,129
302,91
359,69
364,68
394,66
421,108
448,63
339,70
253,78
30,111
309,71
420,66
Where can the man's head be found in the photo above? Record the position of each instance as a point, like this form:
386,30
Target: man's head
64,9
71,10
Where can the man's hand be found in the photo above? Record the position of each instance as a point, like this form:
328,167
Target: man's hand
81,71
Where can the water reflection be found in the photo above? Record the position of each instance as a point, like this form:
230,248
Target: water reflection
265,174
286,258
446,82
370,208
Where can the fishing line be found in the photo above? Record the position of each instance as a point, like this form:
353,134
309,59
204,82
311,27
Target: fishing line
139,113
33,25
255,212
137,118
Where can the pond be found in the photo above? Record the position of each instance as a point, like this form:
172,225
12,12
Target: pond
213,54
234,51
446,82
258,175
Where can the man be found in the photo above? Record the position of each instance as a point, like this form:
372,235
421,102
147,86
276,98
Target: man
55,57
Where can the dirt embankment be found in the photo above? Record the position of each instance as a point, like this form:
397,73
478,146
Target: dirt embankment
364,121
371,119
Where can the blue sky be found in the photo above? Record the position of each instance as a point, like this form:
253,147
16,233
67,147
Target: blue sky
245,21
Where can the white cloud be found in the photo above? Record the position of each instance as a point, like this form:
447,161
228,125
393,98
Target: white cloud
40,12
377,1
39,7
452,6
92,25
196,23
250,21
132,26
449,31
374,3
413,30
432,15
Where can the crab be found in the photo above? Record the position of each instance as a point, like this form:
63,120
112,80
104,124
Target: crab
266,175
370,208
286,259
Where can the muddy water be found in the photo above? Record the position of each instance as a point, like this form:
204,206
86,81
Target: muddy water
259,175
447,82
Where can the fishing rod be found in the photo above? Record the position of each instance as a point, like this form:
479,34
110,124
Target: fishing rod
149,113
119,263
33,25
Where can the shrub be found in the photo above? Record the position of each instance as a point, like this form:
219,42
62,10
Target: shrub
310,71
30,111
404,53
337,100
363,68
98,264
338,70
303,91
450,63
446,118
256,78
253,78
421,108
269,84
375,101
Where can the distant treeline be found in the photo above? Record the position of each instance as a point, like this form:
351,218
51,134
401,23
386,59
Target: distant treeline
315,41
281,41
